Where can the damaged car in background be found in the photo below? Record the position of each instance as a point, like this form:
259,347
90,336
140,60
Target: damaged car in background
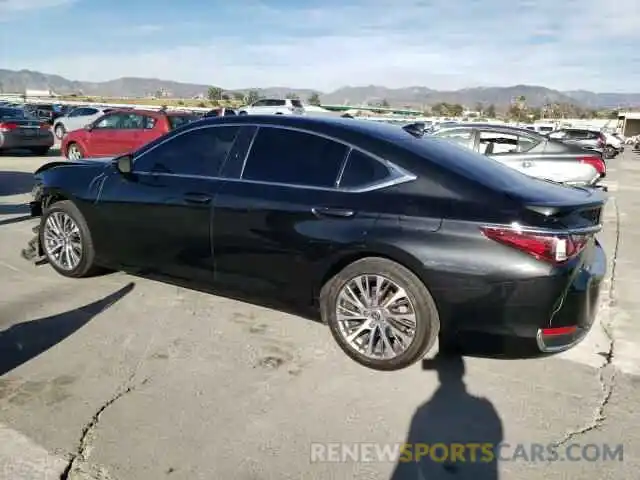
396,241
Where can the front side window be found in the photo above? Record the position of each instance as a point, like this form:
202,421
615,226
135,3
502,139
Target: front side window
110,122
293,157
197,152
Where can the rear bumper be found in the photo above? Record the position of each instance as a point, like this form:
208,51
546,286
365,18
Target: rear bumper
535,317
11,141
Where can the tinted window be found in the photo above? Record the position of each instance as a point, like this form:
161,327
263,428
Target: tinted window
276,103
11,113
362,170
176,121
287,156
296,103
197,152
113,121
132,121
149,122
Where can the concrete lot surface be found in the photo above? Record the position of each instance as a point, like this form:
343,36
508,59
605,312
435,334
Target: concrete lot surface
120,377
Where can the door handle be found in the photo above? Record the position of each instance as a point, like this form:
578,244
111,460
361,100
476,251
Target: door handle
199,198
332,212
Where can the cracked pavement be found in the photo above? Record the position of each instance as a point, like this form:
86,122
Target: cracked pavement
124,378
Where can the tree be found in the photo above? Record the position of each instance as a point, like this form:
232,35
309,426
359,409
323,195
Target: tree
456,110
491,111
384,103
238,96
214,94
252,96
314,99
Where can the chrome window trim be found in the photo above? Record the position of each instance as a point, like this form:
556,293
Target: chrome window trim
398,175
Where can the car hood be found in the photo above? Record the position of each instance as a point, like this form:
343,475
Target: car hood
85,162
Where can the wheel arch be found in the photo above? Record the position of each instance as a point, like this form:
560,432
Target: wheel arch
408,261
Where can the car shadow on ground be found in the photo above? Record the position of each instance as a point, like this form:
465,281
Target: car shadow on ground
454,434
284,305
53,152
24,341
15,183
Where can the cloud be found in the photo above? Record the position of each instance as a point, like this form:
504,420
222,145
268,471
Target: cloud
11,6
568,44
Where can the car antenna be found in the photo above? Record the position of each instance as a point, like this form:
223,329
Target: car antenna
417,129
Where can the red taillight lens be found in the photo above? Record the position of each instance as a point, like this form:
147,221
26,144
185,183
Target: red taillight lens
45,126
595,162
7,127
549,248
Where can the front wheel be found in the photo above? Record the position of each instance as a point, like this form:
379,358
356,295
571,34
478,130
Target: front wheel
66,240
380,314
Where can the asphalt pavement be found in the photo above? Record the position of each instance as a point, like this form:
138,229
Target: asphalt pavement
121,377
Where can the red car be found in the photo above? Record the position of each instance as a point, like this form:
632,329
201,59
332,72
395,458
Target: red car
121,131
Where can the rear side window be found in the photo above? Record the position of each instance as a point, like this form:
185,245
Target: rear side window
295,158
500,142
296,103
361,170
176,121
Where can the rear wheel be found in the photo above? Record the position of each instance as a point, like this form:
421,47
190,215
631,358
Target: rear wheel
380,314
39,150
66,240
60,131
74,152
609,152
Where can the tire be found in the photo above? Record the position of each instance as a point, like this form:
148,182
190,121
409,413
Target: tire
59,131
426,313
41,151
86,266
609,152
242,113
74,147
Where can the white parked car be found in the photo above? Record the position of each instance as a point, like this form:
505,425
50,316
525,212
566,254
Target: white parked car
273,106
76,119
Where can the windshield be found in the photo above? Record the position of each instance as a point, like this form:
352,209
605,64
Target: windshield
178,120
11,113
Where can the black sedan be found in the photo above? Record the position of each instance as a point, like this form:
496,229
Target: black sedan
18,130
397,240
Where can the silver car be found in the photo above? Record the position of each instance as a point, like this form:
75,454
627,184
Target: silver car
20,131
76,119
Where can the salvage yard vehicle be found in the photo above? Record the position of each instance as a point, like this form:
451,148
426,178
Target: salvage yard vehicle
120,131
398,241
529,152
20,131
76,119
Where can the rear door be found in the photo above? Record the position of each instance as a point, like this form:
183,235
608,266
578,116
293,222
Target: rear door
159,218
279,224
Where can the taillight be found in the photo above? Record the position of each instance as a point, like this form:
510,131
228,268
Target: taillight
7,127
595,162
549,248
45,126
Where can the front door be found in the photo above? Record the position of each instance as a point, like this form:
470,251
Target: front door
159,218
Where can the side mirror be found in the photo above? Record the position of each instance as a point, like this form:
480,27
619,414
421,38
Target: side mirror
124,164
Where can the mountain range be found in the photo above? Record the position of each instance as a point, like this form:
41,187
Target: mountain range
12,81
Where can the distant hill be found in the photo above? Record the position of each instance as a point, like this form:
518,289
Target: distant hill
19,81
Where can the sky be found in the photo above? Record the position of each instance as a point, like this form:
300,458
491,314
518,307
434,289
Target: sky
325,44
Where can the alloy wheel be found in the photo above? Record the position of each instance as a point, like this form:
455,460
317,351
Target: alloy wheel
376,317
74,153
62,241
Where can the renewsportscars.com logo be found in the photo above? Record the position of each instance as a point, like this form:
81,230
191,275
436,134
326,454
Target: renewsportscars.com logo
464,452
